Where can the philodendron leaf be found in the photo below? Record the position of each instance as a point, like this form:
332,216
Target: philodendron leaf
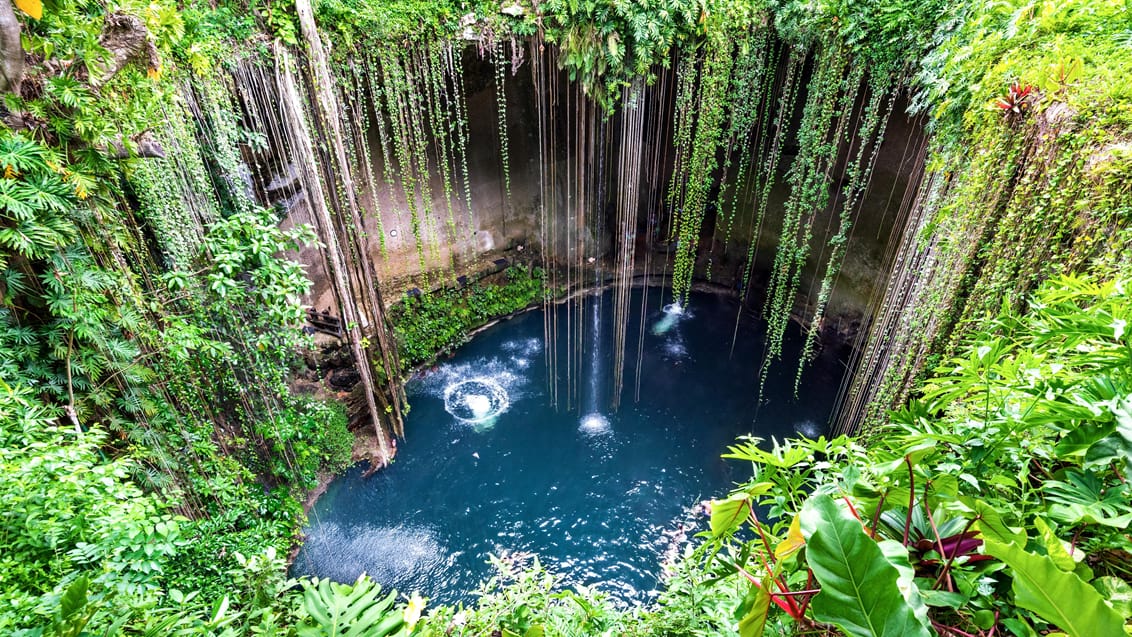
1059,597
754,622
897,554
341,610
793,542
727,515
1116,592
860,588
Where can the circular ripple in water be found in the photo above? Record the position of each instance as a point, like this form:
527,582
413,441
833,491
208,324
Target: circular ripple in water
475,400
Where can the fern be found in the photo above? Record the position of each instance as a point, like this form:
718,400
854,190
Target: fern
341,610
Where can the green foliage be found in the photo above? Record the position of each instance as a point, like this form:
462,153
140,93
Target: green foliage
142,407
399,19
139,407
604,45
1017,194
310,437
68,511
434,324
341,610
524,599
1056,595
966,503
863,591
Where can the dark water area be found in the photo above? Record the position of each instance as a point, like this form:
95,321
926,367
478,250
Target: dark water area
489,467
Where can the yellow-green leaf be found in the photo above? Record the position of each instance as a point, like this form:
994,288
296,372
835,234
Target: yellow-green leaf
1056,596
793,541
34,8
753,624
727,515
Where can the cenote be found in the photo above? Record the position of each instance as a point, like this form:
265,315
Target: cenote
490,467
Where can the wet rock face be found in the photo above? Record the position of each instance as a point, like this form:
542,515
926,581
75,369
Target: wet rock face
343,379
330,373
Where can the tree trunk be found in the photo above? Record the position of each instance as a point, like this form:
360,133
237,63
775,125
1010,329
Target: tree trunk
335,257
11,50
327,103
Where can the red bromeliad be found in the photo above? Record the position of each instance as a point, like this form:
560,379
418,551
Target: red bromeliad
1018,98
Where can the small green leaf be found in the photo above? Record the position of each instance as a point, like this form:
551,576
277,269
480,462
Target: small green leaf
753,624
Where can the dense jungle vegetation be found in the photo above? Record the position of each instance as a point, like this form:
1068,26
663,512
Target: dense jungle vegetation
153,459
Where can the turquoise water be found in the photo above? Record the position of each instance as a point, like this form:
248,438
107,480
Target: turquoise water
489,467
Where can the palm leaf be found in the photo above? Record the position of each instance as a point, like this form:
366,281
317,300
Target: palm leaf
341,610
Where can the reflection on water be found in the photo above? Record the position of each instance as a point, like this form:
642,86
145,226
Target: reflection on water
602,497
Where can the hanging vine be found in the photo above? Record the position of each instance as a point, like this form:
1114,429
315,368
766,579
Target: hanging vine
500,62
830,94
868,137
697,181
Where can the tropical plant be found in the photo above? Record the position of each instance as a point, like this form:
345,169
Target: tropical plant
992,503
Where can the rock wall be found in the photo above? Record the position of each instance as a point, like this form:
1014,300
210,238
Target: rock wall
501,227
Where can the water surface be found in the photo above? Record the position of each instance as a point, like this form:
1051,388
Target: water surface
488,466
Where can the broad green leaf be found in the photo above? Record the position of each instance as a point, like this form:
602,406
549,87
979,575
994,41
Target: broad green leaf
1055,595
340,610
897,554
1085,498
1116,592
1082,437
754,622
1055,547
74,599
943,599
860,587
990,524
727,515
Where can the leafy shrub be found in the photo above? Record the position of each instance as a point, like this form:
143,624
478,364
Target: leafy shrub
997,500
434,324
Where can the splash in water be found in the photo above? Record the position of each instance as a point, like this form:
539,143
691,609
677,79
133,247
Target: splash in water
808,429
673,312
477,401
594,424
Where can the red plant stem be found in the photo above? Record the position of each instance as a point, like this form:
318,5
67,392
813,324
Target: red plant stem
786,604
807,592
782,587
876,515
809,583
951,558
935,531
762,534
944,629
911,498
769,553
852,509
